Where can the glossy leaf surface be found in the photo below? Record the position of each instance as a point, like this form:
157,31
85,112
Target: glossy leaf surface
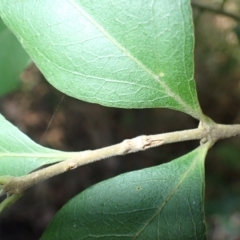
163,202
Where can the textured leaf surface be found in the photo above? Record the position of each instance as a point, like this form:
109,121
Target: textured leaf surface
20,155
163,202
129,54
13,59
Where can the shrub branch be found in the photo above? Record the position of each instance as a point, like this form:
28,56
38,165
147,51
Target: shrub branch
205,133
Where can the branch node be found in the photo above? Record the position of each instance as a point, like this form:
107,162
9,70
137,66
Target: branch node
71,165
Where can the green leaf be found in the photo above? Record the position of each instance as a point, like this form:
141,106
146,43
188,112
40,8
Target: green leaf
20,155
116,53
163,202
13,59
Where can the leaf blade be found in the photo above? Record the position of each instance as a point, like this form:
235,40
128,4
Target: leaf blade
163,202
88,51
12,62
19,155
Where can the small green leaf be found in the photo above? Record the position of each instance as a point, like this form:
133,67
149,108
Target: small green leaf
19,154
163,202
13,59
116,53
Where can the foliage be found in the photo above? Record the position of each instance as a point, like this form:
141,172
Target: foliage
11,66
120,54
139,205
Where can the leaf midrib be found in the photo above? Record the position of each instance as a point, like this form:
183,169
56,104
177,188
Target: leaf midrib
177,98
166,200
63,155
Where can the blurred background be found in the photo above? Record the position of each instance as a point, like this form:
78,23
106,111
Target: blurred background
61,122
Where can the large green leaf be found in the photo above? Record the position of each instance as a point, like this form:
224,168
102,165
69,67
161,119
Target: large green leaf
20,155
129,54
13,59
163,202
